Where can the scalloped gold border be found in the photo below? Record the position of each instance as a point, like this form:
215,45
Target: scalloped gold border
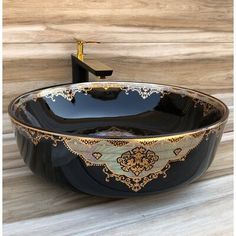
68,93
87,87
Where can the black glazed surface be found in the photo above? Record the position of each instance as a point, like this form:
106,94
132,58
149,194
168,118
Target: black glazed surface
47,126
98,110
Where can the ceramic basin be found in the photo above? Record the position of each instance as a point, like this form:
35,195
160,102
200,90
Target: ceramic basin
118,139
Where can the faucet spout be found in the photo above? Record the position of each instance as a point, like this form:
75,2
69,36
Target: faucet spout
81,66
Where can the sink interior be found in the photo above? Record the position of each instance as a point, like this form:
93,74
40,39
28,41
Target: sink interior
117,111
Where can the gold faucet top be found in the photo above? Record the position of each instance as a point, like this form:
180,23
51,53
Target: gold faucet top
80,47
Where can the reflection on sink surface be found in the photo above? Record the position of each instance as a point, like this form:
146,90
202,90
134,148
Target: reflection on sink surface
118,138
100,109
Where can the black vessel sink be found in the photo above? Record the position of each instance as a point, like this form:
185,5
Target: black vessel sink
118,138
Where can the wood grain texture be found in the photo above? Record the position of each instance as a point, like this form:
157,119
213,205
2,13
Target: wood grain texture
198,209
65,33
157,51
122,21
207,67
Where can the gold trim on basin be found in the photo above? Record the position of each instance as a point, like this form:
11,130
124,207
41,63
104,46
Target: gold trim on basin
133,161
71,89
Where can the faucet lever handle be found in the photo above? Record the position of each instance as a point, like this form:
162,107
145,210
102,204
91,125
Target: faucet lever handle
80,47
81,67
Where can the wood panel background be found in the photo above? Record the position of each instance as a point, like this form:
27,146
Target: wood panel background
187,43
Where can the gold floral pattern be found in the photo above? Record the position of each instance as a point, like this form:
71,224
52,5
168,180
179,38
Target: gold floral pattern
137,160
118,143
36,136
148,143
145,91
195,135
89,141
176,139
136,183
136,165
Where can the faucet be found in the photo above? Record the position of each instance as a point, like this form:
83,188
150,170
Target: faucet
81,66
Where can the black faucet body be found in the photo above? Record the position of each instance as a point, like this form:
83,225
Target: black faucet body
81,69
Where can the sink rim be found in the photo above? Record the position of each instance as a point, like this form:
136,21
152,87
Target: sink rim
214,125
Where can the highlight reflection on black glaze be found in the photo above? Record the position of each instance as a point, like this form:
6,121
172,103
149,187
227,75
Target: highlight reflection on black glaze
98,110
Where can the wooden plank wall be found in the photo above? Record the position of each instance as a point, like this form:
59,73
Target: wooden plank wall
187,43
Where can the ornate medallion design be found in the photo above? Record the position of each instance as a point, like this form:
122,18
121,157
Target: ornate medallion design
133,162
137,160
